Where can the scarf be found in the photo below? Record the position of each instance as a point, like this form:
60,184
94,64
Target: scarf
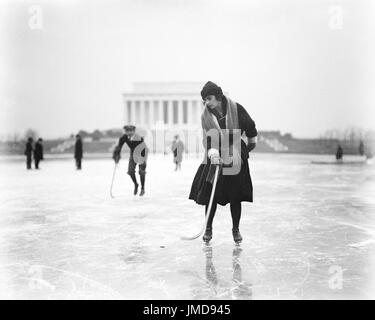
230,150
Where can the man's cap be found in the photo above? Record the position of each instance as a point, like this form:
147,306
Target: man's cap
129,127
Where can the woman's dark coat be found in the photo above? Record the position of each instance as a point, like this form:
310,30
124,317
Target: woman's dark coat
78,149
230,188
38,151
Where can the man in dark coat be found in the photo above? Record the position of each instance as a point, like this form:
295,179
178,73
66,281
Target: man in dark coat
178,149
339,153
29,152
78,152
228,119
38,153
138,156
361,148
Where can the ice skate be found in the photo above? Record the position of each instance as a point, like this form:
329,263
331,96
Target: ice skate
207,235
236,235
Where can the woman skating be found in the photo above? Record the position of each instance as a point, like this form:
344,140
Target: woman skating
223,123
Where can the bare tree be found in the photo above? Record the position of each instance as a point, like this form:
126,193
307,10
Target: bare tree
13,138
331,134
31,133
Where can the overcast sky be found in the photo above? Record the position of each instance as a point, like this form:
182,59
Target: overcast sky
296,66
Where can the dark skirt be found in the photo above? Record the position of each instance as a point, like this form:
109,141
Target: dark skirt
229,188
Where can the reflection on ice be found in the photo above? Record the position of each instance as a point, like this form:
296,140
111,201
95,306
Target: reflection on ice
62,236
217,285
242,289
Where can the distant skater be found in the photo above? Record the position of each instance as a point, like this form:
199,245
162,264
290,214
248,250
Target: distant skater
138,156
178,149
369,155
29,152
78,152
38,153
361,148
339,154
224,118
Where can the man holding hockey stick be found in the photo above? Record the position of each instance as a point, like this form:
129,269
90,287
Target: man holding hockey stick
224,122
138,155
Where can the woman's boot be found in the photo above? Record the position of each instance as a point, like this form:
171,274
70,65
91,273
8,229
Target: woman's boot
208,234
236,235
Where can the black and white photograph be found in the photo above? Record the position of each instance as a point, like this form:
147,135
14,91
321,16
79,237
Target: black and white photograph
187,150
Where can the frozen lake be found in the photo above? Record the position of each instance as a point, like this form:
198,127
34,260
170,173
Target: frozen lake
310,233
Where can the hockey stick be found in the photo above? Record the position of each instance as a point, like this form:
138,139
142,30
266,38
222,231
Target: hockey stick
113,178
208,212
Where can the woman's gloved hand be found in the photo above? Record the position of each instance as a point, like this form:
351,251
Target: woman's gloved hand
215,159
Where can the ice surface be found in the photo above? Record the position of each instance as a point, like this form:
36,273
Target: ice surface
63,237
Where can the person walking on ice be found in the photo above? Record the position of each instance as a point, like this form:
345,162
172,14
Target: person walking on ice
78,152
29,152
339,154
138,155
178,149
38,153
224,122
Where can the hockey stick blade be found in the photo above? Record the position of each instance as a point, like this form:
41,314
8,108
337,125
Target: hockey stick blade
113,178
209,208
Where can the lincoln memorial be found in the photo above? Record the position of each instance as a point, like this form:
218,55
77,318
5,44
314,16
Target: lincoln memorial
171,107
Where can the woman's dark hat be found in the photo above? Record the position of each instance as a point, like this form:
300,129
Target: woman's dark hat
211,88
